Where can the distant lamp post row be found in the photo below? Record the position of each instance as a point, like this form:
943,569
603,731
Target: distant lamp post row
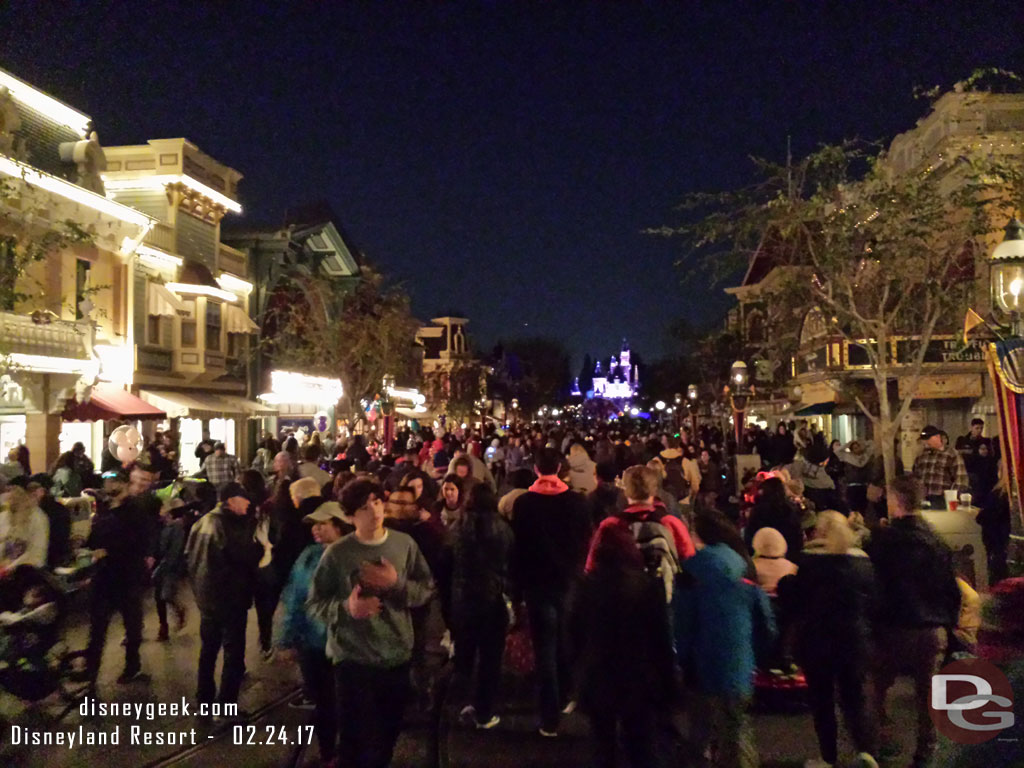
1007,271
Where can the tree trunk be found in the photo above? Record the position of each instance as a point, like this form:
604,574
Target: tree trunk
886,429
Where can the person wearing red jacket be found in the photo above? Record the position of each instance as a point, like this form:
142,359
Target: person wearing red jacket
640,484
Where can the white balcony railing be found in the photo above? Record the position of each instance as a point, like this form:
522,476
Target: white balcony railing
58,338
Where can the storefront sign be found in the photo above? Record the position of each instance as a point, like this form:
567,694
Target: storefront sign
952,385
292,387
940,351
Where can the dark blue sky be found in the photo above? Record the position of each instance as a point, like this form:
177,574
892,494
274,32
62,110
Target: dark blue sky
502,158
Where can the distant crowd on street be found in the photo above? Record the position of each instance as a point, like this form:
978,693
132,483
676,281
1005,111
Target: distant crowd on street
627,569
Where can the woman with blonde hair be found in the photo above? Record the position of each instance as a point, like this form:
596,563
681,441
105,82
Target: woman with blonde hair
831,598
24,531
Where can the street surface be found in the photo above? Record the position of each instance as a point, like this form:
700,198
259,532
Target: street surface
784,740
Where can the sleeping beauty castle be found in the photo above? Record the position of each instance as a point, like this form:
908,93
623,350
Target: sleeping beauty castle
621,381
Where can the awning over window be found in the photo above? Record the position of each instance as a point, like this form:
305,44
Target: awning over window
818,409
254,408
161,301
237,321
203,405
110,402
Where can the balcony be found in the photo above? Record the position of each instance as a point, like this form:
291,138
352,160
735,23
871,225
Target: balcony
20,334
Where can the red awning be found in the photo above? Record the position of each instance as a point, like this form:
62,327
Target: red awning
110,402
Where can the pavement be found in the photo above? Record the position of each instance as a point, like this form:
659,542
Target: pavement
784,739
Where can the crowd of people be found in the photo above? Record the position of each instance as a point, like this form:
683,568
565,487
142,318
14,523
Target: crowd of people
649,581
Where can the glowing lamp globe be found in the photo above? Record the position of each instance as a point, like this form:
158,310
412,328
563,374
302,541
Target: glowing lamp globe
738,373
691,392
1007,267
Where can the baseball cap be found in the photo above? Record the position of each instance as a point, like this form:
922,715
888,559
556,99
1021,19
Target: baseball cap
325,512
231,490
930,431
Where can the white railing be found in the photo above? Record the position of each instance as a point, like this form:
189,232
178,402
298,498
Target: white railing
58,338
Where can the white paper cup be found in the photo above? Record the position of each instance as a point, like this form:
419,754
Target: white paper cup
952,499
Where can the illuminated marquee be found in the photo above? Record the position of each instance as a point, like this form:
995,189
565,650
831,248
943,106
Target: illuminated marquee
293,387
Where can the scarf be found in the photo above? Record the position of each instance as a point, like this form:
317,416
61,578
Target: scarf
549,485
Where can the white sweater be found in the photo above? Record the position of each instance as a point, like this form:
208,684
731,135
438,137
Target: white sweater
26,544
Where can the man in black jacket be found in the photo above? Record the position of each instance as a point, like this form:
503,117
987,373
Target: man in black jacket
552,529
607,499
222,557
920,604
120,540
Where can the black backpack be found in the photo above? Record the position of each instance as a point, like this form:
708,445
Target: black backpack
657,546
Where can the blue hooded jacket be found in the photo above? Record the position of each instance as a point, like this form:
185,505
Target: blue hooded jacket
722,621
298,629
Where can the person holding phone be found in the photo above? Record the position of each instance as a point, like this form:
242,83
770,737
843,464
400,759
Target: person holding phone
363,590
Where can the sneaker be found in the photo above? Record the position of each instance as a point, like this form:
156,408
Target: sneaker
467,712
548,734
569,708
864,760
129,674
489,724
164,634
268,655
302,702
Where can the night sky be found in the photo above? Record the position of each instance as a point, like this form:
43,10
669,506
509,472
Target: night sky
501,159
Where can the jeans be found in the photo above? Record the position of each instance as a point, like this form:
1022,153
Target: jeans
921,650
722,728
371,702
639,738
318,680
548,629
480,634
125,600
843,672
228,631
267,593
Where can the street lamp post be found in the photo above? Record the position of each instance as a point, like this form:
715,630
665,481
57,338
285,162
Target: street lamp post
387,408
691,396
739,379
1007,270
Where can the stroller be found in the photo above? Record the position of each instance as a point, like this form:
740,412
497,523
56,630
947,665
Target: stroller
33,661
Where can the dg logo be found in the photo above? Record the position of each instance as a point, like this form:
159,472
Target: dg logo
971,701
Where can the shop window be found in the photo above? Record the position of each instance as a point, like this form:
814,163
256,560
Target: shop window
158,330
236,345
81,285
213,326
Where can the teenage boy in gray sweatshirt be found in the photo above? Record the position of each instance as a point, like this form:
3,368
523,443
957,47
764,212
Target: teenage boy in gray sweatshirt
363,589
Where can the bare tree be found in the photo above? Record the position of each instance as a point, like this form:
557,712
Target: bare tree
881,255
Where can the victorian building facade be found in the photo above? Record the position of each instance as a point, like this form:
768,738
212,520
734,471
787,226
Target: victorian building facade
803,369
67,250
191,317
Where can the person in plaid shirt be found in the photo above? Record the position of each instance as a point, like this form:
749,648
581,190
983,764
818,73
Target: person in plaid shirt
938,469
220,467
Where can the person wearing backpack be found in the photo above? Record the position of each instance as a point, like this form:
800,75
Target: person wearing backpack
619,631
662,538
